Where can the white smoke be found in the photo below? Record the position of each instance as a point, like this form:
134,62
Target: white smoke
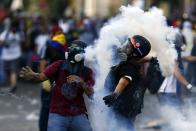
130,21
182,119
134,21
189,37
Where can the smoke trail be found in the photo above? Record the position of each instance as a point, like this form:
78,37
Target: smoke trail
130,21
180,120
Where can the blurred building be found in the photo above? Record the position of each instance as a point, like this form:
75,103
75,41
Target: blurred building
174,8
104,8
98,8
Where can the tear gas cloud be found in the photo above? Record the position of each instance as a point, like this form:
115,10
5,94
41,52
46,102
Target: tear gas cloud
189,36
180,120
134,21
130,21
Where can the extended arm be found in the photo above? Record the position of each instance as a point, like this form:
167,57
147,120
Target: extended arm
122,84
189,58
42,65
28,74
181,78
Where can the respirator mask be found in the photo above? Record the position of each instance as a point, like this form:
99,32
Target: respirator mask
136,47
76,54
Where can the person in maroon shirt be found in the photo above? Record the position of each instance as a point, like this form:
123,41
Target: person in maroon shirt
72,80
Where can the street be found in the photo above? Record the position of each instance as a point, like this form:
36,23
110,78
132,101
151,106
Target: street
20,112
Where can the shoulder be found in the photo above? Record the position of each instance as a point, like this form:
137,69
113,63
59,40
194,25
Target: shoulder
125,66
54,67
60,61
57,63
129,69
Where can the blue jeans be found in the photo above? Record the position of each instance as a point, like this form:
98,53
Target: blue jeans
58,122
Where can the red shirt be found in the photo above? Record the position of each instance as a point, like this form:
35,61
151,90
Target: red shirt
59,103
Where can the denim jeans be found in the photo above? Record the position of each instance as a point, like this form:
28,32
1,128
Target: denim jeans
68,123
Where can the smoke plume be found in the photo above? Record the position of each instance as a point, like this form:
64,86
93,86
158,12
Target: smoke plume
130,21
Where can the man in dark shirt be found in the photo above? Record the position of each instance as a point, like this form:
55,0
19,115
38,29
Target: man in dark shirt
122,82
72,79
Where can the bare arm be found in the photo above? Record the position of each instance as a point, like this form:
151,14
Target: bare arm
40,77
43,64
180,77
189,58
122,84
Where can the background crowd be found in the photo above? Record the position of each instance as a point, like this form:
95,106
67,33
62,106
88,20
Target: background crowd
27,33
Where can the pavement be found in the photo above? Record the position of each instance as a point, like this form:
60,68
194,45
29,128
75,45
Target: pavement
20,111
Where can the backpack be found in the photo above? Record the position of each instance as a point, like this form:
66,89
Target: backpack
154,78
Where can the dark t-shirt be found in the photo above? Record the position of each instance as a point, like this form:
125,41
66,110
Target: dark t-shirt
67,100
129,103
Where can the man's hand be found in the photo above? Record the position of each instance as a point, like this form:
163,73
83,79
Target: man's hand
191,88
27,73
74,78
79,81
110,99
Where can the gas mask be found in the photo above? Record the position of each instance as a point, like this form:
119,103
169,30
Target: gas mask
136,47
76,54
126,47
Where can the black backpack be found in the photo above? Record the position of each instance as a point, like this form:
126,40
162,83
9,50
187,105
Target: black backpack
154,78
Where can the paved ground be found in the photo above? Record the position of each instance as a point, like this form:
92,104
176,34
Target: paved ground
21,114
